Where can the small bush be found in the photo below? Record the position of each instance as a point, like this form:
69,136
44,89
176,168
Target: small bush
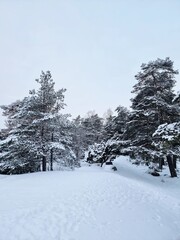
155,174
114,168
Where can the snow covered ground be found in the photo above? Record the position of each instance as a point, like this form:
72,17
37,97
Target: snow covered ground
90,203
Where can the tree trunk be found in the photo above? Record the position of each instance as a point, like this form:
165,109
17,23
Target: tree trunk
161,162
171,166
43,163
51,160
51,156
43,157
175,161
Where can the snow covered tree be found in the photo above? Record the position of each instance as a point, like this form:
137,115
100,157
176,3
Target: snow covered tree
114,126
61,143
109,128
86,132
120,121
37,131
112,144
107,115
166,138
47,105
152,104
95,152
16,154
93,127
78,138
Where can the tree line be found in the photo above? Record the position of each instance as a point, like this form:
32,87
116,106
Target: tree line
39,137
150,132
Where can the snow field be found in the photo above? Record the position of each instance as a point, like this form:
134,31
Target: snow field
89,203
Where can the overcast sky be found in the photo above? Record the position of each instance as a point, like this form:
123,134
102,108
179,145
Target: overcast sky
93,48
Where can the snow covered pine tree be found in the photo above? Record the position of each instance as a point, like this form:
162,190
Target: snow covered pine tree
151,106
36,131
167,136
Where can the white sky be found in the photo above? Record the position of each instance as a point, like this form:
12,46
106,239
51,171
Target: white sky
92,47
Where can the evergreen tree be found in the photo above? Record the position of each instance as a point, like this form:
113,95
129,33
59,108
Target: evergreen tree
37,131
109,128
152,104
16,152
78,138
120,121
93,128
112,144
86,132
167,136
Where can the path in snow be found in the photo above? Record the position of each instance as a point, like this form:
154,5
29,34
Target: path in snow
85,204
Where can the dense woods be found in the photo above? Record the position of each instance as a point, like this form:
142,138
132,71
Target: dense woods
39,137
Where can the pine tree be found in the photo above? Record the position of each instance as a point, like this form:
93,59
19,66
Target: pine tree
93,128
78,138
109,128
120,121
152,104
167,136
37,131
16,152
112,143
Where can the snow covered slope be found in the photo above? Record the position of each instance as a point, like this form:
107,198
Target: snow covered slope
90,203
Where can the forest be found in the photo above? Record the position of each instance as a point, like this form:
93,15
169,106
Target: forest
39,137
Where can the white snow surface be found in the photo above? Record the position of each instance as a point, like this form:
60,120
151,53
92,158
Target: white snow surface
90,203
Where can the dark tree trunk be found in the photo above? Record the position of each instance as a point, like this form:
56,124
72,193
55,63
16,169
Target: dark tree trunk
43,157
51,160
175,161
44,163
171,166
51,156
105,156
161,162
102,163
